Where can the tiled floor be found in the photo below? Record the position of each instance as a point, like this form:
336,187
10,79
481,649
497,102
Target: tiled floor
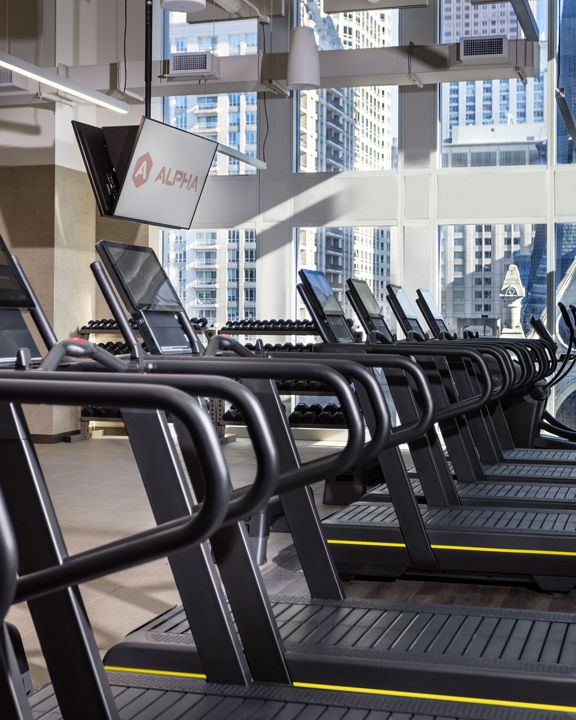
98,497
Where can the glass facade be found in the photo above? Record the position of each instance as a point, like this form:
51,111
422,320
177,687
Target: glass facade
348,128
492,122
474,262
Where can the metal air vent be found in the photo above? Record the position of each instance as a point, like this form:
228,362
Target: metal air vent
6,76
198,64
474,50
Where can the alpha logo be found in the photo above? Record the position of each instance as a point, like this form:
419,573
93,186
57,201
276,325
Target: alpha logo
177,178
142,170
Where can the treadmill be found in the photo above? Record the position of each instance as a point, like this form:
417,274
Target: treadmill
142,696
384,648
433,316
522,464
367,538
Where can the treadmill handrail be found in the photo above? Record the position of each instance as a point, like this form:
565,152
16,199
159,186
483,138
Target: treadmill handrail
150,544
252,368
401,433
382,430
244,503
460,407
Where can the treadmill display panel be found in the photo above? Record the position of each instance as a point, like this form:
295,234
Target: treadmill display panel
404,310
143,278
330,312
367,308
322,290
13,293
366,297
425,297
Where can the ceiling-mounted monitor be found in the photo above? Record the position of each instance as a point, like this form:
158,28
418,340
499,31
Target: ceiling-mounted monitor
152,174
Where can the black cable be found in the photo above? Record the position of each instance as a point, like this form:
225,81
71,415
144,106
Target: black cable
124,52
264,99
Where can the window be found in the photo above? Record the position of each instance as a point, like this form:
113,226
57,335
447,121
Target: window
233,256
348,128
250,255
232,294
250,294
249,274
214,116
488,277
233,275
233,236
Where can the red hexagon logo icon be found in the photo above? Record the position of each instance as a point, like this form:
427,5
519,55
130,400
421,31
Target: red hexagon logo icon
142,170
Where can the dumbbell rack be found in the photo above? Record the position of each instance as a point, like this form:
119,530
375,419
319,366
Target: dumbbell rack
304,431
111,424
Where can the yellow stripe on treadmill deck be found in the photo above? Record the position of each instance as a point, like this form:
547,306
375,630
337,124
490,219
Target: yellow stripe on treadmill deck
144,671
447,698
471,548
362,542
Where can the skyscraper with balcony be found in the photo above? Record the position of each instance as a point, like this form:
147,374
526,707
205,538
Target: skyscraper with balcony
489,123
215,271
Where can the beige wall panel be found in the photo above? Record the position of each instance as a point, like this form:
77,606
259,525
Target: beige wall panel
27,135
492,194
417,200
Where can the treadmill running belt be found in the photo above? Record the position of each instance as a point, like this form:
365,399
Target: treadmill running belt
143,697
540,455
518,471
510,655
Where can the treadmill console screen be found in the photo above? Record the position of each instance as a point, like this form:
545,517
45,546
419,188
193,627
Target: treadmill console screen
143,279
429,307
322,290
13,293
366,297
404,310
367,308
148,294
327,311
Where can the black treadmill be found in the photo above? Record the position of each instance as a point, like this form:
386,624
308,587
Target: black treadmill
367,538
507,452
547,486
340,644
142,696
525,464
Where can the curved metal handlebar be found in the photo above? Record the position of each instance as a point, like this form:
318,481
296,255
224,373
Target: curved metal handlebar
150,544
264,484
80,348
401,433
444,349
258,368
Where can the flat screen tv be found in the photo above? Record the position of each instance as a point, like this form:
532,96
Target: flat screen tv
158,182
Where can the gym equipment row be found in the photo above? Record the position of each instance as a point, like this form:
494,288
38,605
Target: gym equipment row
358,658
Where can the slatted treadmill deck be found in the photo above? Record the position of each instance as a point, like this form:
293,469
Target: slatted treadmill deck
463,518
541,495
525,471
551,455
141,697
490,653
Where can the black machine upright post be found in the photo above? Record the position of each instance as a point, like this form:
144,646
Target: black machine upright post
71,653
196,578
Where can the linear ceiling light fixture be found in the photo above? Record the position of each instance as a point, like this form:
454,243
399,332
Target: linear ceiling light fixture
45,77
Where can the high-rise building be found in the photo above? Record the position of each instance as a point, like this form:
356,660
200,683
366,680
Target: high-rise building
215,271
347,129
490,123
